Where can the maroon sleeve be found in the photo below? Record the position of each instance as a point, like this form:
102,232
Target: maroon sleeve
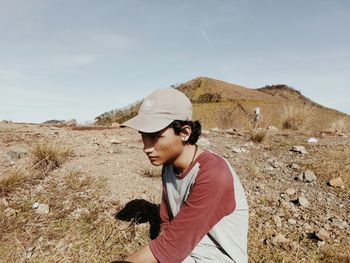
210,199
164,215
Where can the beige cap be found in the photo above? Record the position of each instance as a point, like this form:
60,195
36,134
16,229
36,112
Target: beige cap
159,109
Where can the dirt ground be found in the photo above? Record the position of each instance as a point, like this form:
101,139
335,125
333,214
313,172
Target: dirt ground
282,228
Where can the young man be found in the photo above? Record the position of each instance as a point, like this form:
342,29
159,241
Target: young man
204,212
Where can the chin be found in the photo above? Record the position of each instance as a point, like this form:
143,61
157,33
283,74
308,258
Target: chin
156,163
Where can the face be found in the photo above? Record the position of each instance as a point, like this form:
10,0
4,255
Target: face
162,147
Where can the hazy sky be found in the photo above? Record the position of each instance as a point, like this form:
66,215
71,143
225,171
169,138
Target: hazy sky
77,59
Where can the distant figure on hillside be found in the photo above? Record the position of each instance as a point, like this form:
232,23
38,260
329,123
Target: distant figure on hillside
204,211
257,115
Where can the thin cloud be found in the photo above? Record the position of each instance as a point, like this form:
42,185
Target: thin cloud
205,35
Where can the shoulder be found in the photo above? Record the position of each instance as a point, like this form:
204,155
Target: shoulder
213,166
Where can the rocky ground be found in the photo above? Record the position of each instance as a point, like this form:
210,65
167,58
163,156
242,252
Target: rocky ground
296,213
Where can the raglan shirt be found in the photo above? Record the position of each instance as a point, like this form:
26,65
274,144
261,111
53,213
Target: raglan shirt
210,198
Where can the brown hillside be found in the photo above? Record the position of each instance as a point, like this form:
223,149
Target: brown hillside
224,105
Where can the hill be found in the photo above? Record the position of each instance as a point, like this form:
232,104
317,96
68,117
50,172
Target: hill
224,105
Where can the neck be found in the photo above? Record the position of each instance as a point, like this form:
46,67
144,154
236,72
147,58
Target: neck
185,159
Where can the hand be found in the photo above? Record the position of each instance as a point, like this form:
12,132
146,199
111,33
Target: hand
144,255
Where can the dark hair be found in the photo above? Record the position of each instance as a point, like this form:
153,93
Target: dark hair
196,128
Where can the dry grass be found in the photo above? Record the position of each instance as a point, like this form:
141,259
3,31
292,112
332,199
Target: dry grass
258,135
295,117
339,126
65,234
11,180
151,171
77,180
48,156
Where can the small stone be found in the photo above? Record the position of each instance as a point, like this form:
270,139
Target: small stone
312,140
272,128
42,209
309,176
322,234
277,221
321,243
292,221
77,213
299,149
290,191
295,166
303,201
35,205
336,182
115,141
238,150
203,143
9,212
307,227
77,168
278,239
4,202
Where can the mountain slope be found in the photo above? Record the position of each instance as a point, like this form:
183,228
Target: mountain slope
220,104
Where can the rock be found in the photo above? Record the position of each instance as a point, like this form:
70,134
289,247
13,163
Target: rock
203,143
79,212
309,176
4,202
277,221
336,182
312,140
16,153
294,166
35,205
77,168
303,201
238,150
272,128
115,124
275,164
307,227
278,239
321,243
215,129
9,212
290,191
42,209
299,149
322,234
292,221
115,141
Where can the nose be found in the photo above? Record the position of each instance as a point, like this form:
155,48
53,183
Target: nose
148,144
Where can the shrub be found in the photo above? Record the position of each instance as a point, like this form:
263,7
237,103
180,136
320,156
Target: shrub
11,180
258,135
209,98
338,126
48,156
295,118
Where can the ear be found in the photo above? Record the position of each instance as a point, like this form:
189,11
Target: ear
185,133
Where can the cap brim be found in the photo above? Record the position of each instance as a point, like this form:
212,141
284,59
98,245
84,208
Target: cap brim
146,124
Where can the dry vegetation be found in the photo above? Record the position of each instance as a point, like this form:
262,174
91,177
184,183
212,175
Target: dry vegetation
80,226
295,117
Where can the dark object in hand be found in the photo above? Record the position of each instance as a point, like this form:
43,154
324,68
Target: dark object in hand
141,211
